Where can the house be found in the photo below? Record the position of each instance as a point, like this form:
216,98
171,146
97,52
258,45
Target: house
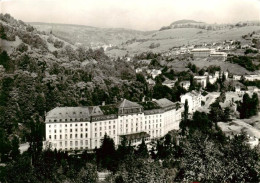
169,83
201,80
194,100
138,70
150,81
236,77
154,73
252,77
185,84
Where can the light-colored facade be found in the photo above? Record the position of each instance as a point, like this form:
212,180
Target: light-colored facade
78,128
185,84
222,55
252,77
201,52
201,80
194,100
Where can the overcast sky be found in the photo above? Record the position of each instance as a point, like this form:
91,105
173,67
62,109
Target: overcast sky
134,14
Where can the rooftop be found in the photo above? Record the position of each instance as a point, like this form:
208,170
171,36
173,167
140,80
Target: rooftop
164,102
128,104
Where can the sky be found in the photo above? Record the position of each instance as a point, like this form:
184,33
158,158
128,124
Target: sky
133,14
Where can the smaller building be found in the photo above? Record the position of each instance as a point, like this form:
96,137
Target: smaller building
252,77
185,84
201,52
155,73
221,55
236,77
194,100
138,70
150,81
169,83
201,80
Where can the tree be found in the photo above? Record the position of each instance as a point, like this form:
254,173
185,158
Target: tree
106,153
15,152
142,150
88,174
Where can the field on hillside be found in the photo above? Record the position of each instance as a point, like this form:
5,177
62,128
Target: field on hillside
186,36
89,35
232,68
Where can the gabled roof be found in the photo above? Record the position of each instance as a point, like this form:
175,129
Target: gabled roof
128,104
164,102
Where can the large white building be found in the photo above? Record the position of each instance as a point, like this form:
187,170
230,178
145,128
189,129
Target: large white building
194,100
78,128
201,52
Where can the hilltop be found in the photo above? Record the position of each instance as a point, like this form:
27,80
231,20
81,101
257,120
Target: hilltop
184,21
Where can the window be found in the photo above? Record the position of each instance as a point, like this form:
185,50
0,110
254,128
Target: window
70,119
71,143
66,136
76,135
71,136
60,131
81,142
66,143
86,129
49,126
81,129
81,135
54,136
76,130
70,130
86,135
100,134
86,142
100,128
60,144
81,123
76,143
49,136
60,136
60,120
95,134
76,124
66,125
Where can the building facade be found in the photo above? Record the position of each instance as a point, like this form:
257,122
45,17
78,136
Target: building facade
194,100
78,128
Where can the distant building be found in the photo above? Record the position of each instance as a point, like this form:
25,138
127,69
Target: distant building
169,83
185,84
155,73
138,70
236,77
252,77
201,52
221,55
78,128
150,81
201,80
194,100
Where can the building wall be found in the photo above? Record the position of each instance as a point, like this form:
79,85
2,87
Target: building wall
87,135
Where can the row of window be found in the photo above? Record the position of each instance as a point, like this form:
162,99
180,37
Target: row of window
70,136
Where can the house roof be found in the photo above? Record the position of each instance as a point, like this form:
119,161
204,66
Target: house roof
69,112
164,102
128,104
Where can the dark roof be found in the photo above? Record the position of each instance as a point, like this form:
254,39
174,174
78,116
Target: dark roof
128,104
164,102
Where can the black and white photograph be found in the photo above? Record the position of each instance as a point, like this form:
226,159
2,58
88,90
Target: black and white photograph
129,91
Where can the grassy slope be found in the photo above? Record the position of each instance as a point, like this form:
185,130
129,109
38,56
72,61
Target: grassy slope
87,35
183,36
